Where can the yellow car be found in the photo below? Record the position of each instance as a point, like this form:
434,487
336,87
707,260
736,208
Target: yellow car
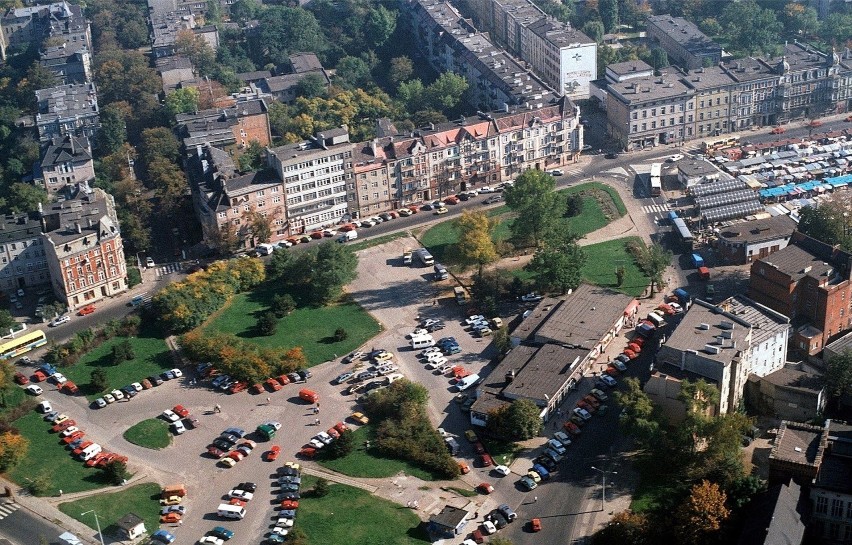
442,210
294,465
228,462
360,418
384,356
60,419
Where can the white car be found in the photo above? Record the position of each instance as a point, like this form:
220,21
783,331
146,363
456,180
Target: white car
212,540
108,398
430,321
170,415
673,158
582,413
68,431
531,297
502,470
59,321
436,363
563,438
316,443
20,292
284,523
418,332
276,425
434,356
444,369
137,386
178,428
149,262
44,407
177,373
486,189
324,437
240,494
100,403
430,350
59,378
475,318
488,527
280,530
676,307
556,172
34,390
118,395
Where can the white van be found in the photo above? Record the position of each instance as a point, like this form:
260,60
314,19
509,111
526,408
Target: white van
656,319
231,511
90,452
347,236
467,382
265,249
422,341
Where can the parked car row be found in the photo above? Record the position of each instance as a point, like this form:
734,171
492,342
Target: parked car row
289,481
131,390
322,439
74,439
226,383
44,373
480,326
179,419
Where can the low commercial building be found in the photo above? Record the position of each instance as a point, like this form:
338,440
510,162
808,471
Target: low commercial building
684,43
797,453
745,242
725,344
809,281
174,70
692,172
449,523
778,516
83,247
788,393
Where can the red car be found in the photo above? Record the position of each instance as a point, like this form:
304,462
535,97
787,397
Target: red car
257,388
73,437
283,380
634,347
88,309
289,504
272,454
630,353
39,376
181,411
170,517
485,460
236,455
638,340
92,461
485,488
572,428
216,452
237,387
308,452
611,371
592,400
83,446
535,525
478,448
63,426
21,379
778,130
316,235
274,384
235,501
333,433
341,427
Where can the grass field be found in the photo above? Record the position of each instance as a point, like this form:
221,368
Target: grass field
152,357
312,328
355,517
604,257
152,433
48,456
441,238
141,499
360,463
656,487
355,246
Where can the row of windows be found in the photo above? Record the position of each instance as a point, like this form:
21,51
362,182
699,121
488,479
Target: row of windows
24,244
7,271
318,161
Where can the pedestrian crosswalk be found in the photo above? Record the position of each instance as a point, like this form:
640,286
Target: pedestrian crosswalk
655,208
168,268
7,508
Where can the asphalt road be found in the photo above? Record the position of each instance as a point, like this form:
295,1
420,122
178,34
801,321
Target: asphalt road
22,527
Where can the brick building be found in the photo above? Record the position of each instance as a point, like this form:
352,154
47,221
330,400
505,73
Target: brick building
809,281
83,247
238,125
68,110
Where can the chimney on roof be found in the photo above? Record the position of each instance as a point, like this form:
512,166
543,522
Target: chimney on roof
78,227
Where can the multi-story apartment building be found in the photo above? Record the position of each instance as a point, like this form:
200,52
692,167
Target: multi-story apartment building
315,175
70,65
166,27
809,281
451,43
562,56
242,123
25,26
713,101
22,253
83,246
649,111
65,161
68,110
685,45
373,188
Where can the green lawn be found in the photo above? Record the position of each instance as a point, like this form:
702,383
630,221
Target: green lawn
604,257
141,499
355,246
441,238
312,328
466,492
503,453
152,357
48,456
152,433
360,463
656,487
355,517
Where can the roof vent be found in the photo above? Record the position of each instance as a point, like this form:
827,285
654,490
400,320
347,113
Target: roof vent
727,334
724,324
704,326
711,349
798,449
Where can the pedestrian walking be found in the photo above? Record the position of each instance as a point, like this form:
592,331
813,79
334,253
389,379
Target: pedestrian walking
217,408
535,499
268,400
317,421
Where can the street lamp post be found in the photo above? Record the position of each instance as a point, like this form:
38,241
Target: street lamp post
603,478
97,524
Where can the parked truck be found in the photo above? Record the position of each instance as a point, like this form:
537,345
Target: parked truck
441,272
461,296
424,257
308,395
697,261
406,256
347,236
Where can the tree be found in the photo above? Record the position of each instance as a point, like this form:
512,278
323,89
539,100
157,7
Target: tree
558,268
352,73
609,14
259,226
659,58
838,376
502,340
700,518
625,528
639,413
341,446
13,449
311,86
7,376
379,25
282,304
278,265
340,335
252,158
594,30
574,205
710,26
158,143
744,489
245,10
25,198
750,28
6,320
698,396
113,132
475,246
401,69
561,11
182,101
532,199
412,93
800,20
116,472
99,380
522,420
285,30
446,92
830,222
837,28
197,50
267,324
321,272
321,488
41,484
653,261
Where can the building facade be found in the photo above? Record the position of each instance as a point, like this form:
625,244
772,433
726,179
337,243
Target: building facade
83,246
685,45
23,262
65,161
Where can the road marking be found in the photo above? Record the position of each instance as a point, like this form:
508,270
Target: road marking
7,508
168,269
654,208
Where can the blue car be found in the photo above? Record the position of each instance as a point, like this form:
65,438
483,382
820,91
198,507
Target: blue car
222,533
239,432
451,349
163,536
287,514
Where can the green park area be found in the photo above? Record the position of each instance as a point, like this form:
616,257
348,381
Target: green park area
603,260
601,205
355,517
152,433
151,357
365,463
141,500
50,461
312,328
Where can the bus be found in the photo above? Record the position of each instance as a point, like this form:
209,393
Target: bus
683,234
656,181
712,145
24,343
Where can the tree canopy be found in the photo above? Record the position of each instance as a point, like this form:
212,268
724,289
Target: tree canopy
533,200
750,28
475,246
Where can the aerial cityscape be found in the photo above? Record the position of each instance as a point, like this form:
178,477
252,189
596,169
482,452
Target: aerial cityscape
426,271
